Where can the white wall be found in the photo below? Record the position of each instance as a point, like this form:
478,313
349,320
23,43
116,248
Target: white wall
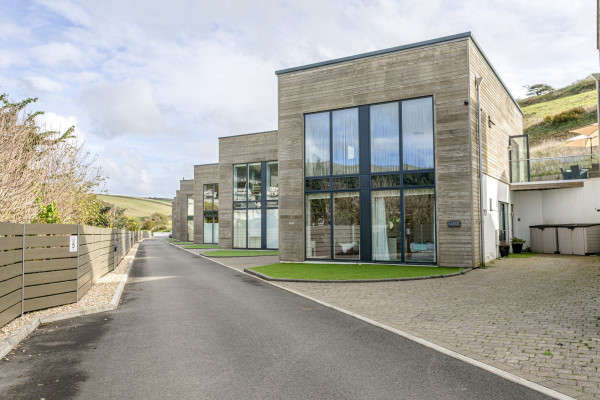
556,206
493,192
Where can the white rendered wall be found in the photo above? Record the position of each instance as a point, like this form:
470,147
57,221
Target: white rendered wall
556,206
494,191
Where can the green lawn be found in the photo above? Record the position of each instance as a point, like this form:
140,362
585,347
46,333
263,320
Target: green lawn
521,255
178,242
202,246
349,271
241,253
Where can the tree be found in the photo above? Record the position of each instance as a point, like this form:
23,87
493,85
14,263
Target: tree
44,175
538,89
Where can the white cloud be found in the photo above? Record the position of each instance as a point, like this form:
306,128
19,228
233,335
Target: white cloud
144,77
44,83
125,108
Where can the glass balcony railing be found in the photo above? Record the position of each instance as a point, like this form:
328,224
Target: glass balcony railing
554,168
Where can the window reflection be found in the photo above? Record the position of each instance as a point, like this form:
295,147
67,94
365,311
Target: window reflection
345,141
417,134
386,225
385,137
317,144
419,217
346,225
318,225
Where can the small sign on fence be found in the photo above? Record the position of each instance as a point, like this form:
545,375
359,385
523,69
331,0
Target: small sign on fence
73,244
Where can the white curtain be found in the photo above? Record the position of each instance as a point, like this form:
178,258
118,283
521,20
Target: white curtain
316,130
417,134
345,141
385,137
381,250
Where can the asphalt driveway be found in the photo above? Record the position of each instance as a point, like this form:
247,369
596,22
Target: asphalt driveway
188,328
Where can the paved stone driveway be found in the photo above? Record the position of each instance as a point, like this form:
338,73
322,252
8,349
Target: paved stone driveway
538,318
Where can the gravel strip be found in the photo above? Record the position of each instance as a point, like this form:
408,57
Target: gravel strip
100,294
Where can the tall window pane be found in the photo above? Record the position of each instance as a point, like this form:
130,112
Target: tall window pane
345,141
239,229
272,180
318,225
419,217
208,228
346,225
254,182
190,218
386,225
240,189
316,145
417,134
254,229
216,197
208,197
385,137
216,229
272,229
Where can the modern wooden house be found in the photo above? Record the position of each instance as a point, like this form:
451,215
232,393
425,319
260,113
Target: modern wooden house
392,156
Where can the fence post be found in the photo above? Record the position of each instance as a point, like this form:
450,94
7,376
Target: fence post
77,282
23,274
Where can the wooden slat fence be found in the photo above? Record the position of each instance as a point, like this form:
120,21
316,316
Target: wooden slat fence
38,269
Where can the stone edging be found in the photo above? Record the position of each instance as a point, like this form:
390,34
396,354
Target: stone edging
10,342
412,278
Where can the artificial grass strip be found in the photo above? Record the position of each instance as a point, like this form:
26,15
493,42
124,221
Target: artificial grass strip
202,246
241,253
349,271
521,255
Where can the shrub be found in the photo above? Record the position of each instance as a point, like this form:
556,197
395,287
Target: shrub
564,116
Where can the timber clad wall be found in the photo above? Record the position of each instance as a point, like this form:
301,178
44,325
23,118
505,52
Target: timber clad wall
256,147
39,271
203,175
440,70
186,188
507,120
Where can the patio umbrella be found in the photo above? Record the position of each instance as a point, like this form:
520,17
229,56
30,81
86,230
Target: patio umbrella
589,138
587,130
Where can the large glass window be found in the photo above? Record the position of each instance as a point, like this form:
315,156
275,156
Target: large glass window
190,218
345,141
417,134
239,229
272,180
386,225
254,202
211,213
317,144
385,137
254,182
419,216
240,180
273,229
318,229
346,225
397,184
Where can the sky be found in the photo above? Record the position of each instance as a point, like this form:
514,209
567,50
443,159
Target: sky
151,85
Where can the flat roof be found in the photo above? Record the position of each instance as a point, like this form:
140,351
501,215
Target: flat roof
246,134
459,36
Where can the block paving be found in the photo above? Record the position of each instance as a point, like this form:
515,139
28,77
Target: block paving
538,318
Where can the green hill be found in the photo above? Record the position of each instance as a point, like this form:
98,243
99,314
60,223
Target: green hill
548,118
138,207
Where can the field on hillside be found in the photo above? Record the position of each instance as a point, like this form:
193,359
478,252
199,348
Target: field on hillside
138,207
547,137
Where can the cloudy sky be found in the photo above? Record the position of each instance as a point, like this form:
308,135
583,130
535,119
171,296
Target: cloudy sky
151,85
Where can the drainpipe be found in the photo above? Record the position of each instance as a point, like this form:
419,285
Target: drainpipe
478,81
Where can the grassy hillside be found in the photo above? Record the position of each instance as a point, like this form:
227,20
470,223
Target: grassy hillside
138,207
538,109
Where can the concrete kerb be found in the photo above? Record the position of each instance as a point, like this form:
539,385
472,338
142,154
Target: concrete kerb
10,342
496,371
413,278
